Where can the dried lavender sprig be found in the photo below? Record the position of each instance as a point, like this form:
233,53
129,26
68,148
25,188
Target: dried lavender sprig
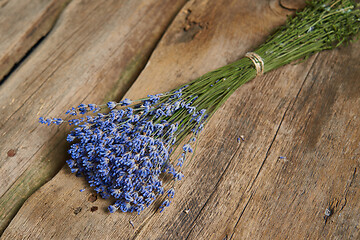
320,26
123,152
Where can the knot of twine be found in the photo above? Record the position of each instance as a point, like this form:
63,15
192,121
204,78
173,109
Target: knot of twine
258,62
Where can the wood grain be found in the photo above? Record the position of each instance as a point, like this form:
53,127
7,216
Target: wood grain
93,53
22,24
320,136
306,113
205,35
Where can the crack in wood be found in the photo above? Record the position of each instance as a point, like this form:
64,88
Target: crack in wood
276,7
291,9
347,189
241,214
142,226
213,192
3,3
332,208
292,5
55,58
49,11
26,43
23,58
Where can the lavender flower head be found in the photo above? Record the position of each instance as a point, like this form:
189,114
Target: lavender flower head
123,152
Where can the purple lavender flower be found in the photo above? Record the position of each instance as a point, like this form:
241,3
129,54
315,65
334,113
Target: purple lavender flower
123,152
111,105
171,193
164,204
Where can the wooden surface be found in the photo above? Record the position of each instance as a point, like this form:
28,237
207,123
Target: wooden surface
22,25
306,112
93,53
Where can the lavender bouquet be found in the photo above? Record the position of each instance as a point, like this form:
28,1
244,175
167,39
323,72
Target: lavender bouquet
124,150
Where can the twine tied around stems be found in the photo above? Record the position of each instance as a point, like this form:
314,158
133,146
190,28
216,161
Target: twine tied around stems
258,62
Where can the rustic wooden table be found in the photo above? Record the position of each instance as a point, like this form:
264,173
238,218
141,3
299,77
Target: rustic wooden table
55,54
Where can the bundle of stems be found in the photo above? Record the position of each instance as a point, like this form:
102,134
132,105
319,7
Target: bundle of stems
123,152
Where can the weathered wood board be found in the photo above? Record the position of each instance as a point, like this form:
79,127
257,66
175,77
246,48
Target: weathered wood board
306,113
320,136
22,24
93,53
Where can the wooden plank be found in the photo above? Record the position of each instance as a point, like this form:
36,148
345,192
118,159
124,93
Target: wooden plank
320,137
93,54
205,35
22,24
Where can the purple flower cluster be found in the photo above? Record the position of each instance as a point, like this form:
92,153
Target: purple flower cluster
122,153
